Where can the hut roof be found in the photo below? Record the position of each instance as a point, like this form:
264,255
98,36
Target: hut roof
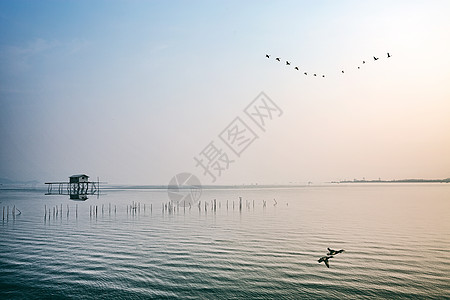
78,176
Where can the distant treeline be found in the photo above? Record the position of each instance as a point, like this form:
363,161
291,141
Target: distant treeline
446,180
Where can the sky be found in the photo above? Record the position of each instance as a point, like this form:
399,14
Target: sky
134,91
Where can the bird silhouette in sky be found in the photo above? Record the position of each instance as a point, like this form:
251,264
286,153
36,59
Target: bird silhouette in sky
288,63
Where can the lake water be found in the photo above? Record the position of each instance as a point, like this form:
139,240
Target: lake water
396,239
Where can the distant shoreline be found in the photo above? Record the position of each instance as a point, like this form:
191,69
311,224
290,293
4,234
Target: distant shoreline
237,187
447,180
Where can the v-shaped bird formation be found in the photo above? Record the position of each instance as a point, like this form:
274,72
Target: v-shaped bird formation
298,68
331,253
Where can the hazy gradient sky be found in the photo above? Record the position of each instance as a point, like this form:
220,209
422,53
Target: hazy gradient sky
131,91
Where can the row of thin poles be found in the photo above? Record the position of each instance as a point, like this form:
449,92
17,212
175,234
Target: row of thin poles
6,212
57,212
135,208
93,210
212,205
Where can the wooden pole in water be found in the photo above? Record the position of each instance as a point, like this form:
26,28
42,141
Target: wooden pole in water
3,213
151,207
45,211
76,211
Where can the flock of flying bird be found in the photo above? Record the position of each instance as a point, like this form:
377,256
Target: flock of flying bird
330,254
315,74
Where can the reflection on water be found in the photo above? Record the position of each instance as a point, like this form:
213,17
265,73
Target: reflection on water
396,239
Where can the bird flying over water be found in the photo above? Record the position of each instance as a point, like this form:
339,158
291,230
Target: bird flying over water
277,58
296,68
388,55
334,252
325,260
305,73
376,58
288,63
267,55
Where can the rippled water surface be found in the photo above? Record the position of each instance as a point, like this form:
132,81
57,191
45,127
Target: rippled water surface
396,239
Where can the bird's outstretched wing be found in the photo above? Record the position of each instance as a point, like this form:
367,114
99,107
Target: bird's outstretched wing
326,262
